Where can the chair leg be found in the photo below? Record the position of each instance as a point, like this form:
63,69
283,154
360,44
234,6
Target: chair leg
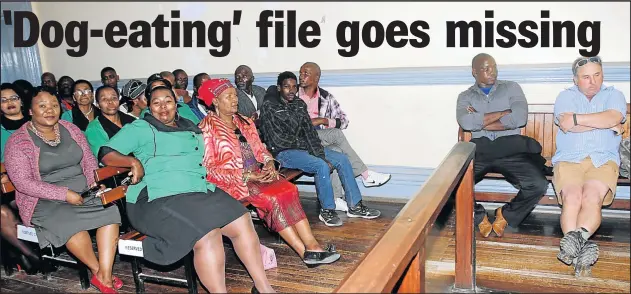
191,275
83,276
136,271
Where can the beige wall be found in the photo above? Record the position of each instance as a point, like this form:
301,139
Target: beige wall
396,125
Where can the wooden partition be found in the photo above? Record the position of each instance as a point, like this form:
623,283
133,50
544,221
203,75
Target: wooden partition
399,255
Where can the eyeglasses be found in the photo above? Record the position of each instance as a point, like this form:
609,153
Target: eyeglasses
84,92
584,61
10,99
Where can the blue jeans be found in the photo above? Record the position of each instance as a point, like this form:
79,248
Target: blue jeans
302,160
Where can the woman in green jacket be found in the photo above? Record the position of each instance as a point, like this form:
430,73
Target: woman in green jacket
111,120
84,111
170,201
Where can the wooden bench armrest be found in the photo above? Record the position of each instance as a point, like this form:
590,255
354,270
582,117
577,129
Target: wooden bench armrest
113,195
133,235
108,172
290,174
6,187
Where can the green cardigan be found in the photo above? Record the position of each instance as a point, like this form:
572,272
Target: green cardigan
171,157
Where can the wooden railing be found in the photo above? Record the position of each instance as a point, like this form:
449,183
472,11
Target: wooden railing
399,255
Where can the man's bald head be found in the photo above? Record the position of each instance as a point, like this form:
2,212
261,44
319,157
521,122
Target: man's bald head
480,58
484,70
243,78
169,76
309,75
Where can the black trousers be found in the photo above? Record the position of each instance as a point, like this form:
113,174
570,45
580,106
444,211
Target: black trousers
522,173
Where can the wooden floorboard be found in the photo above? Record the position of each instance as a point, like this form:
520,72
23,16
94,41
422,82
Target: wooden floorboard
524,260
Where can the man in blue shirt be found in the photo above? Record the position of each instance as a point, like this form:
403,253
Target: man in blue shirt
586,162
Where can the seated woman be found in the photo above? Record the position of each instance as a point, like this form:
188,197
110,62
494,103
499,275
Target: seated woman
12,107
134,96
50,164
233,154
85,111
170,201
111,120
183,109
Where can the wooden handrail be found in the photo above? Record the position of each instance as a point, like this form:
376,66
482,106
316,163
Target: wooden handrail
399,254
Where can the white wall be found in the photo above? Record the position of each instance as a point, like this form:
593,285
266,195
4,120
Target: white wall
396,125
132,62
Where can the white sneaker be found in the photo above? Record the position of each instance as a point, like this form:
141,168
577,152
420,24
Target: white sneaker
341,205
375,179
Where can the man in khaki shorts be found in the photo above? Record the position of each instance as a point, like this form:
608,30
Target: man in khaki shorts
586,163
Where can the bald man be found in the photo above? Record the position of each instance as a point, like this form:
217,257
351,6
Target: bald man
495,111
329,120
250,95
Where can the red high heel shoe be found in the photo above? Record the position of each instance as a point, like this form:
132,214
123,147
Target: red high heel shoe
117,283
102,288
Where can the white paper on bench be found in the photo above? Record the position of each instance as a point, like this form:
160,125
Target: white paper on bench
130,247
27,233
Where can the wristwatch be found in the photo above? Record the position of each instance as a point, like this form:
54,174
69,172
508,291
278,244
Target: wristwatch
575,122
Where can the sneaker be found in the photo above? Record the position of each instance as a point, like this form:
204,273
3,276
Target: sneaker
375,179
329,217
585,259
341,205
571,244
360,210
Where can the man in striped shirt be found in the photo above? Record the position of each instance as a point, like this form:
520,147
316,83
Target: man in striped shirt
586,162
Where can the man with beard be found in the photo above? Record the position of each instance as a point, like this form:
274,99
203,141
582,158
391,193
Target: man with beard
64,93
49,82
181,81
494,111
250,95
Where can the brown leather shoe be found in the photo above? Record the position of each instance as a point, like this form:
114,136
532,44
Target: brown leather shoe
485,227
500,223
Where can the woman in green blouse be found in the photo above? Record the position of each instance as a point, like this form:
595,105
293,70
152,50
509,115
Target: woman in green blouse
84,111
111,120
170,200
182,108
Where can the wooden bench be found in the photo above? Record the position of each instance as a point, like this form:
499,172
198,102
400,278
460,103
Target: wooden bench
542,128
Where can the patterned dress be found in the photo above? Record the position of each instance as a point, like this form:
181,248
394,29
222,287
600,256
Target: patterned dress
231,153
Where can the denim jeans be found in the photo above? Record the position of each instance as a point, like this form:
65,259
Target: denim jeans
302,160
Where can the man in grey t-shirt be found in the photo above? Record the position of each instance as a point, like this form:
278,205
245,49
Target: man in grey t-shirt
492,109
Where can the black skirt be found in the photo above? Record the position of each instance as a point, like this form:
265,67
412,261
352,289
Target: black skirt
175,223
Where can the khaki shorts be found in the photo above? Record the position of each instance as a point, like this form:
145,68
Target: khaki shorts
569,173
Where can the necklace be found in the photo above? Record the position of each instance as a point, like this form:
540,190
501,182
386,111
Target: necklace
86,114
52,143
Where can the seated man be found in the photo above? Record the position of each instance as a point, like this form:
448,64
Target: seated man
294,142
494,111
250,95
586,162
329,120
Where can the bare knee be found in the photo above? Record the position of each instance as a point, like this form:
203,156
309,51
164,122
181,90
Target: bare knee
6,214
572,196
593,197
207,240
